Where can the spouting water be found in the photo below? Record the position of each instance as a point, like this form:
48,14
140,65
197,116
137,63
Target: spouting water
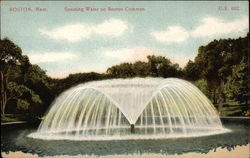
138,108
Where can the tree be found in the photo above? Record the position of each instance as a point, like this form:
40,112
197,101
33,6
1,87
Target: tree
202,85
157,66
237,85
20,81
141,69
123,70
209,62
215,61
10,58
191,71
154,64
23,96
36,79
162,67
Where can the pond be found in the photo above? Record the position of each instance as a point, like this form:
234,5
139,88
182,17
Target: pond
14,138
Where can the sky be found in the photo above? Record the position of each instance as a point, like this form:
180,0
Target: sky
65,37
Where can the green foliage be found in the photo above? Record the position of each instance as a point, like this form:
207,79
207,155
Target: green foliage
141,69
35,74
202,85
22,84
157,66
234,108
122,71
23,95
36,79
191,71
11,118
10,54
209,61
163,67
15,90
22,105
214,60
237,85
216,63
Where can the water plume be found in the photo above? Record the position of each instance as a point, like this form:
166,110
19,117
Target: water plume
151,107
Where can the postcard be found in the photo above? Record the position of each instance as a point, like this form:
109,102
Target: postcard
124,79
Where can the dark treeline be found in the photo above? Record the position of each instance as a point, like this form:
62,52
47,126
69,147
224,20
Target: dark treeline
157,66
219,69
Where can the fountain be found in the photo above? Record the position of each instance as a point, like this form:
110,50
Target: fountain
138,108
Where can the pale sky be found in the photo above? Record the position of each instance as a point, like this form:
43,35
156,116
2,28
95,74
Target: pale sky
63,42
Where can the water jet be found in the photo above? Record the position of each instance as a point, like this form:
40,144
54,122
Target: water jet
159,108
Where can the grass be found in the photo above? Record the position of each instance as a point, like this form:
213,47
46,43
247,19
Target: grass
11,118
232,108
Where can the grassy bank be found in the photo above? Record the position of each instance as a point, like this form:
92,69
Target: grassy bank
11,118
232,108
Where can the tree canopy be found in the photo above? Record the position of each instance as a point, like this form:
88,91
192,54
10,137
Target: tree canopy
218,63
23,85
157,66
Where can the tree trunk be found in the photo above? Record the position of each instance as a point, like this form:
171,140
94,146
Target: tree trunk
2,92
3,95
214,96
5,102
